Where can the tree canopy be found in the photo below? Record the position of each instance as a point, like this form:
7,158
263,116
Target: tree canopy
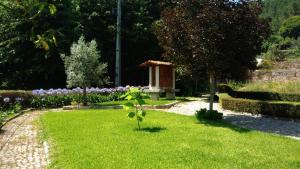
221,37
82,67
280,10
34,33
291,27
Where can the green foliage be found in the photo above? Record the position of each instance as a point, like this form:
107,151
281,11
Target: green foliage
273,108
224,88
137,97
32,34
278,87
57,101
275,54
8,111
291,27
202,36
205,114
280,10
82,67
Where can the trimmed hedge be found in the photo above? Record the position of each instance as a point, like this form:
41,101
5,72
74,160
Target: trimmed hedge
279,109
259,95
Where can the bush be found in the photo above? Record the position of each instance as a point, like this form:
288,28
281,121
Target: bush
291,27
279,109
20,97
205,114
224,88
55,101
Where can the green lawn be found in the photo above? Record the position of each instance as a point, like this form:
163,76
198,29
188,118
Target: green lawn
161,101
91,139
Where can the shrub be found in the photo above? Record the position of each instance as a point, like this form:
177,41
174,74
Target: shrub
224,88
20,97
205,114
291,27
279,109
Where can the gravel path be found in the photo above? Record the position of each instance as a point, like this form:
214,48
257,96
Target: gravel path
285,127
20,147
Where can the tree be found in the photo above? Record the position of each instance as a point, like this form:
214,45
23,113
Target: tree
32,34
222,37
136,101
82,67
291,27
280,10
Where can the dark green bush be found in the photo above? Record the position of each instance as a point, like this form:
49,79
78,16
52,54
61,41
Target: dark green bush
290,27
205,114
279,109
224,88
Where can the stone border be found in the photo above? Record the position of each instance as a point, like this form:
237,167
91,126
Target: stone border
15,116
165,106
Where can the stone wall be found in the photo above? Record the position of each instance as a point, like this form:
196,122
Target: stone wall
284,71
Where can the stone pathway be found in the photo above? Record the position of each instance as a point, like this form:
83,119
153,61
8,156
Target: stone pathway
20,147
285,127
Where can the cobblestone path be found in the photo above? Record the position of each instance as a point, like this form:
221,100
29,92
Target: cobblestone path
20,147
285,127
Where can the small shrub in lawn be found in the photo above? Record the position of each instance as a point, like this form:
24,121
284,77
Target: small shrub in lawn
205,114
135,95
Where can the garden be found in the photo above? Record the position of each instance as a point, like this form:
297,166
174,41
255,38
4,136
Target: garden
221,86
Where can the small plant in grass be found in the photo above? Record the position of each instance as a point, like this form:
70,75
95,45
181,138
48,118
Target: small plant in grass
205,114
135,102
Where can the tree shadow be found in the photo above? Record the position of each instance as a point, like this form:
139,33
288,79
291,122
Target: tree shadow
151,129
223,124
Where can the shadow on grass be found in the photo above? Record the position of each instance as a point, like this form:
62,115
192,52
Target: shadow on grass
223,124
151,129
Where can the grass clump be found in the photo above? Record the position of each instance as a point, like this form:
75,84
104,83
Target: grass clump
278,87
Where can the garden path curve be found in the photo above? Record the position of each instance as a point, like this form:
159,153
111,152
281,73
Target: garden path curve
281,126
20,147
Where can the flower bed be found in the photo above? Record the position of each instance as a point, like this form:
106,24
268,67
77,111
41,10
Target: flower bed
54,98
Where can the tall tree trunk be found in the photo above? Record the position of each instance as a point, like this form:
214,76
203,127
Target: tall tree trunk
84,96
212,81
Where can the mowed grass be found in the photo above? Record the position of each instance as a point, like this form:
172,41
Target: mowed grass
95,139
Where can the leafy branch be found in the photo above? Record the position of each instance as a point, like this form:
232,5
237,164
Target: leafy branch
135,102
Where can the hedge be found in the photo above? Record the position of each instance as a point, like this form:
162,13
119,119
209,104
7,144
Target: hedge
28,100
279,109
259,95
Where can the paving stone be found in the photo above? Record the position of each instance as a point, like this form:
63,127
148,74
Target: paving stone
19,144
285,127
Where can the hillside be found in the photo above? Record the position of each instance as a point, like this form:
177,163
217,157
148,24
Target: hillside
279,10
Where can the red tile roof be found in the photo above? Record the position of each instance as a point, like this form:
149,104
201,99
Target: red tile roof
155,63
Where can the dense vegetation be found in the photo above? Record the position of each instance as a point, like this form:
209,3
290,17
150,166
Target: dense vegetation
284,42
34,33
280,10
